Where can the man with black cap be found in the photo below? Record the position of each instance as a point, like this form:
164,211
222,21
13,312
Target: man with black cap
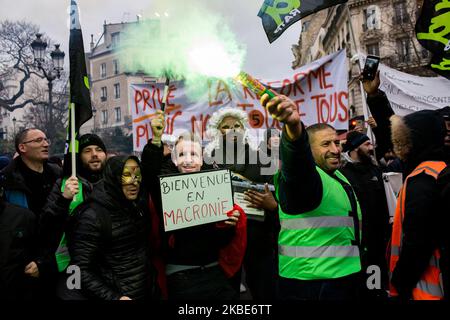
63,200
419,223
366,179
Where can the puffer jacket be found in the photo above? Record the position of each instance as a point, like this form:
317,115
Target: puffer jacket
109,241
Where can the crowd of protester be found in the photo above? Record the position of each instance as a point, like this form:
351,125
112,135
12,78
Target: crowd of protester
318,235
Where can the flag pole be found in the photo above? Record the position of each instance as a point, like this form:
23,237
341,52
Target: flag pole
366,110
166,92
72,139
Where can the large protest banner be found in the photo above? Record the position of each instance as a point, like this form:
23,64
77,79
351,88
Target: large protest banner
197,198
409,93
319,90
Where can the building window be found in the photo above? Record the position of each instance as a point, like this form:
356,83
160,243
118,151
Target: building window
117,90
103,70
115,39
4,133
372,18
403,49
104,95
400,13
104,116
373,49
116,66
118,113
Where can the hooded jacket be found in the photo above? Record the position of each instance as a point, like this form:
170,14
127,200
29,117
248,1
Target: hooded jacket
109,240
424,209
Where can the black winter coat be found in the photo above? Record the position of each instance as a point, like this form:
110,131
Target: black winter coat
367,182
381,111
53,220
17,249
109,241
197,245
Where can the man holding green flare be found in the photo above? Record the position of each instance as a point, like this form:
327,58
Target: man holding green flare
66,195
318,243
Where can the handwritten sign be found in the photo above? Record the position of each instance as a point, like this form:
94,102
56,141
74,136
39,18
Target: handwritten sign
319,90
409,93
193,199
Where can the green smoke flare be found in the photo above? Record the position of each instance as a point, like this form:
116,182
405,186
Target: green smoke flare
192,44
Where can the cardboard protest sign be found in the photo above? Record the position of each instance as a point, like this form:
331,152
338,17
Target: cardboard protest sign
193,199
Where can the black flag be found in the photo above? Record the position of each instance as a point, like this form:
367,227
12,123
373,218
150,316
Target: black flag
278,15
79,83
433,33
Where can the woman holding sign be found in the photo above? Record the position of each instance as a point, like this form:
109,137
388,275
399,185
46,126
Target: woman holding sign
193,253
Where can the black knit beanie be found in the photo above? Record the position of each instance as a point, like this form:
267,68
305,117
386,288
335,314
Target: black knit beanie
354,140
90,139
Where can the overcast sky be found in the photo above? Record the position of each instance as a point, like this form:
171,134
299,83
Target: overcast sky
263,60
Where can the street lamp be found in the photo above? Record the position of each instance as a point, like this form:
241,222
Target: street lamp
14,126
94,111
39,47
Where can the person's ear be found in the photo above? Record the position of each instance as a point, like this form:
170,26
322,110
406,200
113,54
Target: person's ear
22,148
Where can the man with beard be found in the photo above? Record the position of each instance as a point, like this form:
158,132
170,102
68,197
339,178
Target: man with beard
366,179
61,202
318,244
27,181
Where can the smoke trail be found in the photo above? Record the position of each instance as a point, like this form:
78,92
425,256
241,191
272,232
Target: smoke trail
190,42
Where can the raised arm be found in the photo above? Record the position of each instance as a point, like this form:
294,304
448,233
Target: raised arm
300,186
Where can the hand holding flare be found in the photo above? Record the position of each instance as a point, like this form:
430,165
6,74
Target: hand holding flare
280,107
158,125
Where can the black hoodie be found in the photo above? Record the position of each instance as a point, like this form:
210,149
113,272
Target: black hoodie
109,241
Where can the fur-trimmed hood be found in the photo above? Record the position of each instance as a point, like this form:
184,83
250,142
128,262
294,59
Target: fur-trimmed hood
425,132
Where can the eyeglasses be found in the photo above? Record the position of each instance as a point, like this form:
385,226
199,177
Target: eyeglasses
38,140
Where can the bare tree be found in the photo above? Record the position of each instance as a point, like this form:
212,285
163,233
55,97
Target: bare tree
32,88
38,115
16,62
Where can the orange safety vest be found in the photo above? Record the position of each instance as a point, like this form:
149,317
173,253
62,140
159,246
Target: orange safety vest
430,286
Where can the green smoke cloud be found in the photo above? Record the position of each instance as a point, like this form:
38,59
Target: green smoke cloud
189,43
